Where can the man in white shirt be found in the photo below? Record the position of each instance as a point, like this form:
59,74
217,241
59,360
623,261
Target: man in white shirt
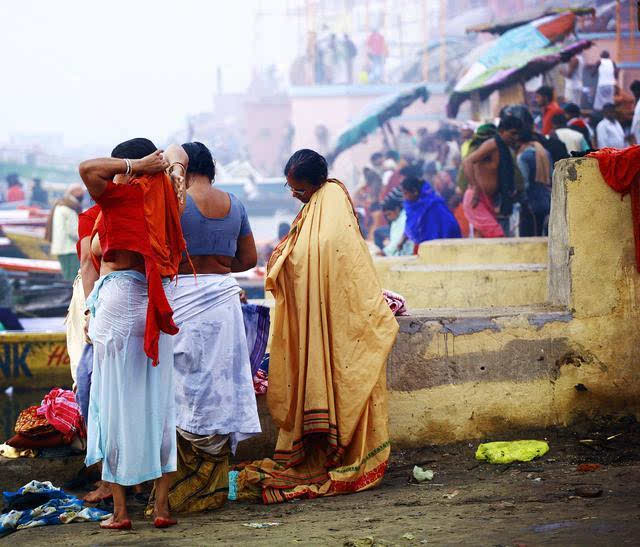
572,139
609,132
64,230
634,132
607,77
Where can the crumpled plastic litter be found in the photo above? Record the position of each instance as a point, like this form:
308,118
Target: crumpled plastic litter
261,524
421,474
511,451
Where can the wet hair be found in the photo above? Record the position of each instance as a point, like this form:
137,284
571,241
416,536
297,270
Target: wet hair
412,184
546,91
519,111
572,109
200,160
376,156
134,149
559,120
510,122
525,135
307,166
635,87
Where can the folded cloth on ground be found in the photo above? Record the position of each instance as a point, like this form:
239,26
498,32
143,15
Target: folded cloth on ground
8,451
44,441
396,302
511,451
30,424
61,508
61,410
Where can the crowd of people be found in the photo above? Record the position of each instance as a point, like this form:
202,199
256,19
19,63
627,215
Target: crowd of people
483,180
331,59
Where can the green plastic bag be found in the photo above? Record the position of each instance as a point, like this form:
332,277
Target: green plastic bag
511,451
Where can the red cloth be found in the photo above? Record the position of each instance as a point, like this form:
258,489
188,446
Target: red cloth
376,44
143,217
86,222
550,111
462,220
620,168
45,441
62,412
15,193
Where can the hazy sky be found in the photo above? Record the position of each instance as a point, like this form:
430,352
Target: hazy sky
101,71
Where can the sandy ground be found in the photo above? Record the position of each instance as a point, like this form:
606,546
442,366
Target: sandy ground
468,503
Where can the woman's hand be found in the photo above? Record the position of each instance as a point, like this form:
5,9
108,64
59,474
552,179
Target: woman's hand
150,165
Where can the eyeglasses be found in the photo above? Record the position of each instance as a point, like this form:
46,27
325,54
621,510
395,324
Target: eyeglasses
293,190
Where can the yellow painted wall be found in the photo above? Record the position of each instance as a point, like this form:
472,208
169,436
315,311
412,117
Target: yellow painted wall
603,337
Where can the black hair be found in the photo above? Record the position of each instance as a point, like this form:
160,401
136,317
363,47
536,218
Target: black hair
609,106
200,160
559,120
519,111
134,149
391,205
376,156
393,155
412,184
525,135
371,177
307,166
546,91
414,170
605,54
635,87
510,122
573,110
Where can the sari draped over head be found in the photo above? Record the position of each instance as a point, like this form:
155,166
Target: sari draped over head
429,217
332,334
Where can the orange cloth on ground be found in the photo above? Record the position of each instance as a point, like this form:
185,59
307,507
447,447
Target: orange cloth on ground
332,334
143,217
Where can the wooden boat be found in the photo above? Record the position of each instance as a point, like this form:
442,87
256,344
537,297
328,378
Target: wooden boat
34,360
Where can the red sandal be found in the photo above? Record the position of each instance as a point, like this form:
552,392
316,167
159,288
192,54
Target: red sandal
160,522
124,525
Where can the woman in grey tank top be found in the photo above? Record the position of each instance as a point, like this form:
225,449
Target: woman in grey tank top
215,399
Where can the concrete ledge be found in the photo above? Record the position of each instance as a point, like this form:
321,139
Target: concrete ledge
15,473
485,251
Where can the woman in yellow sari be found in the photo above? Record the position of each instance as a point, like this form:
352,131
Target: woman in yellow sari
332,334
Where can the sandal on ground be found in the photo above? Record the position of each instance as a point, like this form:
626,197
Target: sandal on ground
124,525
160,522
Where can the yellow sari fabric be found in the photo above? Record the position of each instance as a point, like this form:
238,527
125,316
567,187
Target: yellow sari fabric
332,334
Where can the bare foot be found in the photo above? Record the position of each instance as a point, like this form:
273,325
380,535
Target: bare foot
113,523
103,492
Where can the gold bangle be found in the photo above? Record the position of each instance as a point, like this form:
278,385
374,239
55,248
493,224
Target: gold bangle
184,169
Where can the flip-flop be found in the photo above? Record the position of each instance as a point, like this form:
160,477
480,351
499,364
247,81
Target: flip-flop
160,522
124,525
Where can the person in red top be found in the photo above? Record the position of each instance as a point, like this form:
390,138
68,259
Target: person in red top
377,52
15,191
549,106
137,244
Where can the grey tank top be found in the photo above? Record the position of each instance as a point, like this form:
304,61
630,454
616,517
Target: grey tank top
214,236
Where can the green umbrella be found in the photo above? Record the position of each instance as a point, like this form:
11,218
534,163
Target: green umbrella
375,115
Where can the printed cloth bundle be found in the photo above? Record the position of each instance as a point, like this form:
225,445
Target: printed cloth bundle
396,302
42,504
56,422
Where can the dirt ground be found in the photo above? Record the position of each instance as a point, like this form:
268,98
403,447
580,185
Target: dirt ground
467,502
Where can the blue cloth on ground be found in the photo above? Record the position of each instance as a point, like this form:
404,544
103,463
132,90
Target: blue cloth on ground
429,218
62,508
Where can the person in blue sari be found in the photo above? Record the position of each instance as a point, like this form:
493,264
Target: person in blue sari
428,216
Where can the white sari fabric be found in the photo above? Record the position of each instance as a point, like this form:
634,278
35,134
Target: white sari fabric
214,386
131,427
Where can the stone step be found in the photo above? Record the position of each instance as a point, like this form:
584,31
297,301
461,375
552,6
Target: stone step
469,285
529,250
463,351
